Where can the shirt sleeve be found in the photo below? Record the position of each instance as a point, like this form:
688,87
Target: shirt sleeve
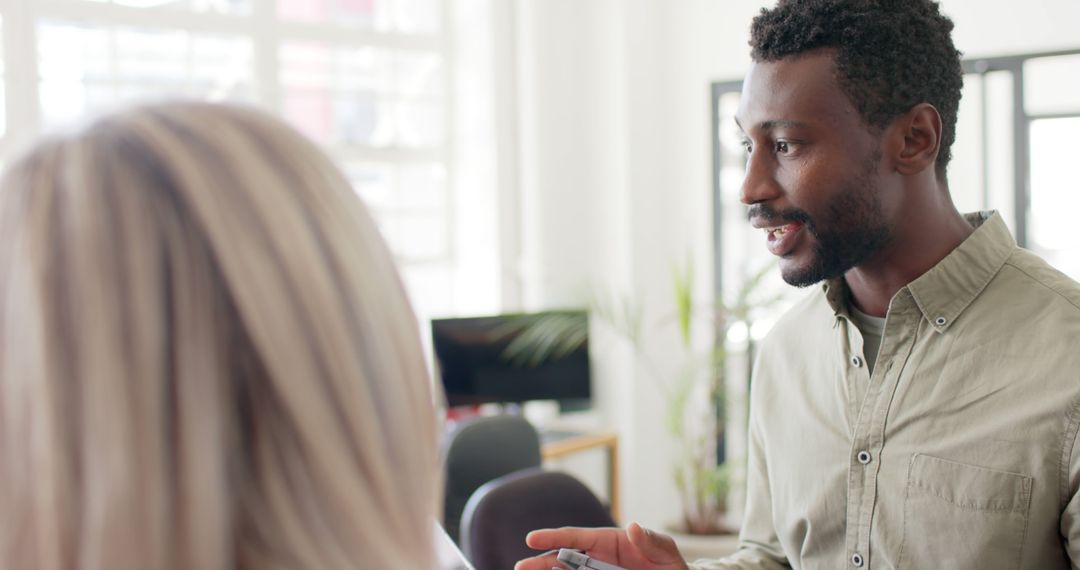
1070,516
759,547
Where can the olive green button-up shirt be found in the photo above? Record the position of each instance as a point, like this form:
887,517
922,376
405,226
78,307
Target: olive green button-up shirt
960,451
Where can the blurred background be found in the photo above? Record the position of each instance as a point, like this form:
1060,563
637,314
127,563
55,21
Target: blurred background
525,155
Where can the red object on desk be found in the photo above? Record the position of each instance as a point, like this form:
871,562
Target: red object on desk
461,412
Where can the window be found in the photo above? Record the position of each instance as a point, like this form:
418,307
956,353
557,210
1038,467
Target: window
1012,148
370,80
87,67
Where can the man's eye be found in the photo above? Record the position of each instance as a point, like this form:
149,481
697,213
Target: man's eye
746,146
782,147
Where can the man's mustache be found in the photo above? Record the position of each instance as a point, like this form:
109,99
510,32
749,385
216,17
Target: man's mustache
772,216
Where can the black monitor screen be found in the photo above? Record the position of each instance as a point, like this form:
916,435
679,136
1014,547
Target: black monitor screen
477,368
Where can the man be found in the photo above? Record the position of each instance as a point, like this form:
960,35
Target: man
920,408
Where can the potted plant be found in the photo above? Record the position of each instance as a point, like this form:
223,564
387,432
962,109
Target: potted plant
696,415
695,406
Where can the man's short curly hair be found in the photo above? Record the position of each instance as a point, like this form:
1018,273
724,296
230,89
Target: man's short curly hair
890,54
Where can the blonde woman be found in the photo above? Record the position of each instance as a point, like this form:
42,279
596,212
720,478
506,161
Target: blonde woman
207,361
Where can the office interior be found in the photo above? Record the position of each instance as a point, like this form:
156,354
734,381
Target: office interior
522,156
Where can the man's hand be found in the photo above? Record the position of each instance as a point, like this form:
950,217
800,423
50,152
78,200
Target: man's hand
634,548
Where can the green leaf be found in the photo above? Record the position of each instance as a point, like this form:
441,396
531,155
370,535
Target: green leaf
683,285
543,336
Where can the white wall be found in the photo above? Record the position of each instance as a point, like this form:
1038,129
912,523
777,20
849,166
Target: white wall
614,185
613,170
1004,27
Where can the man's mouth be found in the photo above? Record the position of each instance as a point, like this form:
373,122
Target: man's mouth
781,239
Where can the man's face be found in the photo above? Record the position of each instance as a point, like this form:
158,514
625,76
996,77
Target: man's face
813,176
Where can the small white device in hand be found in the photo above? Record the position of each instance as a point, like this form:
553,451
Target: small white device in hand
579,561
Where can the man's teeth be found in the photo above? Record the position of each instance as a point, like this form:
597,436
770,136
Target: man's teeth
779,230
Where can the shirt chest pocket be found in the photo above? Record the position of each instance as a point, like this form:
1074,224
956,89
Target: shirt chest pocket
961,516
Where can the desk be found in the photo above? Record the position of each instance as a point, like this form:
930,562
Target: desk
564,445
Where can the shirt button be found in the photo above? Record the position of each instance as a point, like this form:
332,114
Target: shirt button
856,361
940,321
863,457
856,560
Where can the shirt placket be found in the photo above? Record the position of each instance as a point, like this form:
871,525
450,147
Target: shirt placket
869,436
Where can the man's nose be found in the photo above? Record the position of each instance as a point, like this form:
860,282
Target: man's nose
759,184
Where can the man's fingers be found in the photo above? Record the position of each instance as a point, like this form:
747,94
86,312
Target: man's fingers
657,548
567,537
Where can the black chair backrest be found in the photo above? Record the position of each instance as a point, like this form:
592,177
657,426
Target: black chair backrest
479,450
501,512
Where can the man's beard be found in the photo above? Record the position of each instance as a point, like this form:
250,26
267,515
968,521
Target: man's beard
856,230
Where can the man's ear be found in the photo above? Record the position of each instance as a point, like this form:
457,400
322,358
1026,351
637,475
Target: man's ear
918,133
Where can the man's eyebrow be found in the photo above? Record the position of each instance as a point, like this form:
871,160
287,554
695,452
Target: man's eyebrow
774,124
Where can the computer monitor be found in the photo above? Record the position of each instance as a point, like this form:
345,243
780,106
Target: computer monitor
475,367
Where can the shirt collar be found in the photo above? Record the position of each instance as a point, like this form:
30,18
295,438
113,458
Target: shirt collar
943,292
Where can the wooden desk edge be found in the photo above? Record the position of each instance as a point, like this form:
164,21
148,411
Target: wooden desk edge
559,448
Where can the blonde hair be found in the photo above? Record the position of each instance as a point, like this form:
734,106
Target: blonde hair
207,360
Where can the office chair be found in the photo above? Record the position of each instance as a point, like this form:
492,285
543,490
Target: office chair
479,450
501,512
